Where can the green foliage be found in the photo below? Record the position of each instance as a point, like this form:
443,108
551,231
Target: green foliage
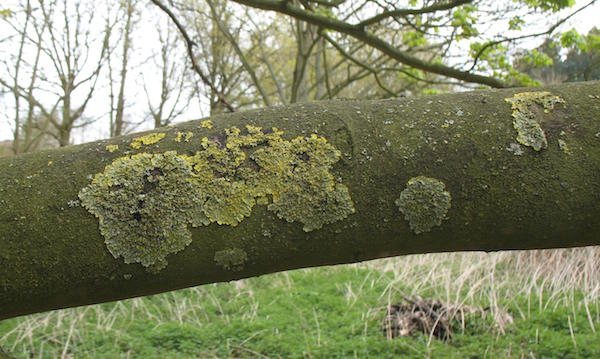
549,64
548,5
516,23
493,57
325,11
572,38
537,59
413,38
464,18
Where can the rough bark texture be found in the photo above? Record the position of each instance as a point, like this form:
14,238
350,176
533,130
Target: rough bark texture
431,174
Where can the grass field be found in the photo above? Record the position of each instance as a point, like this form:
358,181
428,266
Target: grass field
336,312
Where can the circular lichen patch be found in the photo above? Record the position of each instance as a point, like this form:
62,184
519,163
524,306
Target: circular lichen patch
424,203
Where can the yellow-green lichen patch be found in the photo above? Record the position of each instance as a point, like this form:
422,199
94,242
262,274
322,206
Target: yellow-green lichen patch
231,259
253,167
562,144
151,198
186,137
424,203
206,124
529,131
146,140
112,148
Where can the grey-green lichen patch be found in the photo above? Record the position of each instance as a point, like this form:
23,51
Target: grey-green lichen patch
515,149
145,202
231,259
529,131
424,203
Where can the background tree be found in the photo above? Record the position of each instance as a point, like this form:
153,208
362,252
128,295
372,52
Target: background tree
175,90
62,81
565,57
127,12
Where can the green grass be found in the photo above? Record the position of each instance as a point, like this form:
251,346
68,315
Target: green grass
336,312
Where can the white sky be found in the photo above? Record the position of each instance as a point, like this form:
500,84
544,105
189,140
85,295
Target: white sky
583,22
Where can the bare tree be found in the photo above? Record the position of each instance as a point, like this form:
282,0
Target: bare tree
70,55
117,106
29,34
174,93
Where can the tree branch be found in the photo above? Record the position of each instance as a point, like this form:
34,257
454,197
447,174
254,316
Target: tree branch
440,6
360,34
336,182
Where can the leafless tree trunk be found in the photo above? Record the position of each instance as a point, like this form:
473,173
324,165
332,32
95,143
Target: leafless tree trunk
117,111
171,63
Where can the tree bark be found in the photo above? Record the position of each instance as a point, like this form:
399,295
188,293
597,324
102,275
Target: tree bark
441,173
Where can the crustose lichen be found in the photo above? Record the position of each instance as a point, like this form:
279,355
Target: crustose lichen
424,203
146,140
145,202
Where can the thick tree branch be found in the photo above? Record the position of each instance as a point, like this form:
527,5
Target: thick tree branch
335,182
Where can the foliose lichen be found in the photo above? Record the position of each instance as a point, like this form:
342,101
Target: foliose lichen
529,131
145,202
231,259
206,124
424,203
146,140
143,207
112,148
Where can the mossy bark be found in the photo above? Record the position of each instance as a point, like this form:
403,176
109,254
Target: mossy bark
504,195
